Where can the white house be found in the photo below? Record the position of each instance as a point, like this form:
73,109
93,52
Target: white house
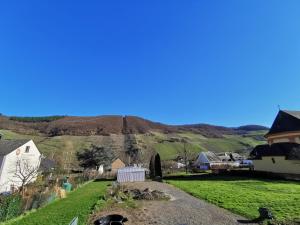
279,158
18,159
205,159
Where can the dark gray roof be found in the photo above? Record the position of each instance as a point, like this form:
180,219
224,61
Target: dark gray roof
47,165
286,121
7,146
289,150
293,113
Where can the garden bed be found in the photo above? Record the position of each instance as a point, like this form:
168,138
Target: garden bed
78,203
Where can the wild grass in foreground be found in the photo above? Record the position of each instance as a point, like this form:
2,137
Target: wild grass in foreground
245,196
78,203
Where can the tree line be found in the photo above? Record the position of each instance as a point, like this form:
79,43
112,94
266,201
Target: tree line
35,119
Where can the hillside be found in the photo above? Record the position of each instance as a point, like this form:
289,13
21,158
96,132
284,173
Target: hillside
105,125
60,138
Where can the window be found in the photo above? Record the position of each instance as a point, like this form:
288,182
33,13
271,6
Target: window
273,160
27,149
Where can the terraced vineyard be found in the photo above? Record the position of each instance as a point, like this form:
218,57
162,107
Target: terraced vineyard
168,145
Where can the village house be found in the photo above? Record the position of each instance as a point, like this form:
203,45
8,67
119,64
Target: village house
117,164
205,160
281,158
230,156
282,153
19,162
285,128
222,161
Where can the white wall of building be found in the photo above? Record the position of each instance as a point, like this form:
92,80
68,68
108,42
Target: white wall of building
277,164
8,167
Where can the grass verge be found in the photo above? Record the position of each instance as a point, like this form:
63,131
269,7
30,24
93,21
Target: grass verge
245,196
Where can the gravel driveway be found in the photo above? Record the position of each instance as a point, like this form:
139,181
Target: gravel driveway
182,209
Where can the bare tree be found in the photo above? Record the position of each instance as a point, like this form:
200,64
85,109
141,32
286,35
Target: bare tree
186,154
25,172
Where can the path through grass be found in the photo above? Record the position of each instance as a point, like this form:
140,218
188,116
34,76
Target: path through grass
245,196
78,203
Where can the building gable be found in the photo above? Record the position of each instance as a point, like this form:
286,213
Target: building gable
285,121
24,152
7,146
117,164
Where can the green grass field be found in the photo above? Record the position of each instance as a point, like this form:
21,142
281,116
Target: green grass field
245,196
78,203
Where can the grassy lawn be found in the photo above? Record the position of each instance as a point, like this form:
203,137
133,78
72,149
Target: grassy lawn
78,203
245,196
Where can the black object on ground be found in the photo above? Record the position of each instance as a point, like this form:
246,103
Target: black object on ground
113,219
265,213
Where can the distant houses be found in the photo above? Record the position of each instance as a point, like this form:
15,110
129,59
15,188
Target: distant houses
282,153
219,161
19,162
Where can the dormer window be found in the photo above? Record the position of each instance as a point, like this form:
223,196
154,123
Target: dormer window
27,149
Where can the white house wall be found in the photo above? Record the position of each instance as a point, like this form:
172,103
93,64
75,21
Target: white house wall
281,165
1,159
7,174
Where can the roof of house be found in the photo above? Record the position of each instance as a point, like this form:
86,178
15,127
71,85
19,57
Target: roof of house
228,155
290,150
285,121
116,159
7,146
211,156
47,164
293,113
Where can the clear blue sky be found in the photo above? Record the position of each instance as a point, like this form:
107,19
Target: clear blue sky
219,62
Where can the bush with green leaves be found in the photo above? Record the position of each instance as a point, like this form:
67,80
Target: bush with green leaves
10,207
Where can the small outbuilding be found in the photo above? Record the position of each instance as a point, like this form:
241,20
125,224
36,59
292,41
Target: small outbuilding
117,164
131,174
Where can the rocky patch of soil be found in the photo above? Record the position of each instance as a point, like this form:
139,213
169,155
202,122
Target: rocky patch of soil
147,194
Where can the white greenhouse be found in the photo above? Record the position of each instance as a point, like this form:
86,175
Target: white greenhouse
131,174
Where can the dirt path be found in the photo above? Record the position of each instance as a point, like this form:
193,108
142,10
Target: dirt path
182,209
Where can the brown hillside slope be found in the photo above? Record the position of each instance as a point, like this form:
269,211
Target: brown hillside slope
106,125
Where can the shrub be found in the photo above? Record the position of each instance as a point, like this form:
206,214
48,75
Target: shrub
10,207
